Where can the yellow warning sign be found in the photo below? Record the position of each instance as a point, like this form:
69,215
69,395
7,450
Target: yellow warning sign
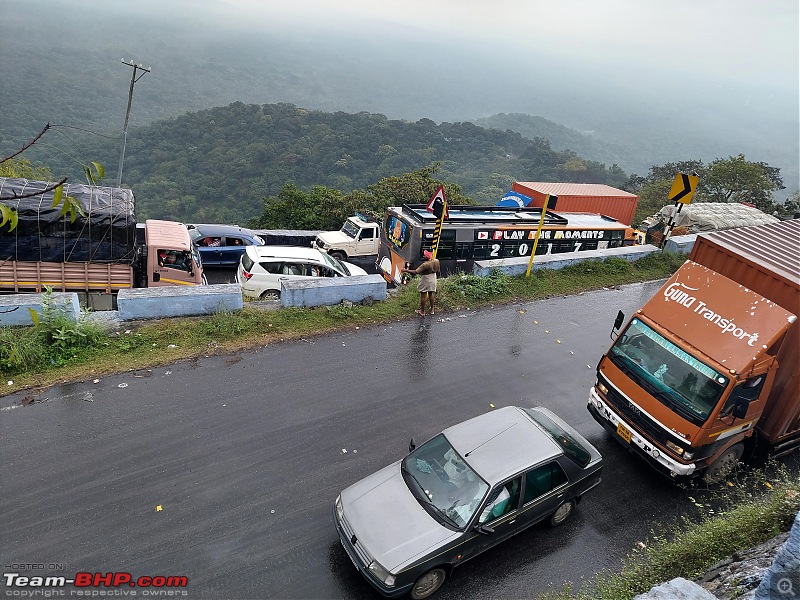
683,188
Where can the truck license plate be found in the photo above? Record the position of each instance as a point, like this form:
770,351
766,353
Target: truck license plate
624,432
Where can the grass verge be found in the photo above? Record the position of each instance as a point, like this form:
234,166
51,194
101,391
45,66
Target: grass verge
751,509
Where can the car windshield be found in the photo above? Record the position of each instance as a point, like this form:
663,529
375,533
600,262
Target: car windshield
442,481
350,229
195,235
673,376
334,264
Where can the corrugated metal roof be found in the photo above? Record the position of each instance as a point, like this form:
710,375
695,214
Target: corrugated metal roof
776,246
576,189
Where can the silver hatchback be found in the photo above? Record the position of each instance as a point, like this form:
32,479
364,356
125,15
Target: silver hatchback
463,491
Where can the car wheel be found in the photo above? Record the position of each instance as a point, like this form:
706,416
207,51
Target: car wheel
427,584
724,465
562,513
339,255
270,295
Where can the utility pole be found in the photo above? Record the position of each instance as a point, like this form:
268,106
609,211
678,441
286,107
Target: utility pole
134,79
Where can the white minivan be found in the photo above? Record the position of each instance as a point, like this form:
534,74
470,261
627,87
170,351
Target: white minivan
262,268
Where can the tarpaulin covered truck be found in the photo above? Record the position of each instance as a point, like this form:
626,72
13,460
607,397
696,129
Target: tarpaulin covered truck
700,217
708,370
96,255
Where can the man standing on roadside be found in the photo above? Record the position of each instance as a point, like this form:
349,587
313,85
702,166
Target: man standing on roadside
427,283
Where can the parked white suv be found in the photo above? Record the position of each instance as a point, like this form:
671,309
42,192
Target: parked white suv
262,268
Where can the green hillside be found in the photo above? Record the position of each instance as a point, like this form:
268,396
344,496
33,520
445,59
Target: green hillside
218,165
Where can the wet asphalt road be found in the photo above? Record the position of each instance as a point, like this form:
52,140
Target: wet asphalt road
245,455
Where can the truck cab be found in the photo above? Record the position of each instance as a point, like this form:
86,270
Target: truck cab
171,257
358,237
686,382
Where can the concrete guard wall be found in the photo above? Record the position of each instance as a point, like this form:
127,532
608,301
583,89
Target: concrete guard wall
331,291
14,308
519,266
178,301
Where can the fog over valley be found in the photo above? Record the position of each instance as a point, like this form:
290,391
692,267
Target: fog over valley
642,83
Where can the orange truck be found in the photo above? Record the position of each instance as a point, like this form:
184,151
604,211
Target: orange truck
708,370
98,254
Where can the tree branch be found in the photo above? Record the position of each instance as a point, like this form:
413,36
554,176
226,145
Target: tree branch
26,146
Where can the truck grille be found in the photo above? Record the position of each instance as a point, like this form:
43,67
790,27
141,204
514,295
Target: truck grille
634,415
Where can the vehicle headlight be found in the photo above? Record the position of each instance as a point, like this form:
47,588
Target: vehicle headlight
339,508
602,388
320,243
381,573
675,448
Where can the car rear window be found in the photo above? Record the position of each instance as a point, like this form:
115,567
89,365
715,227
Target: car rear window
247,262
571,447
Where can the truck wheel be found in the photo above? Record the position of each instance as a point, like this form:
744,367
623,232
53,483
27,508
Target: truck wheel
562,513
427,584
724,465
338,255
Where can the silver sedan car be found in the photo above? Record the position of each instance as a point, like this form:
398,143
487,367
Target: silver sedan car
463,491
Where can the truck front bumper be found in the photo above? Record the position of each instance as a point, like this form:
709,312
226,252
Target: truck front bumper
658,459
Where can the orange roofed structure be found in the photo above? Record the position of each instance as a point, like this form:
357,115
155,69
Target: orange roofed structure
582,197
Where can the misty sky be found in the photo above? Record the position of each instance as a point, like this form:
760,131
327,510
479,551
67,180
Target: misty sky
742,39
670,80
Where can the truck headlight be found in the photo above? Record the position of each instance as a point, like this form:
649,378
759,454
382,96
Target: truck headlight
339,508
320,243
675,448
381,573
602,388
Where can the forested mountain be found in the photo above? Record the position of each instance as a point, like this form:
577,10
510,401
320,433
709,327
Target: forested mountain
591,145
218,165
59,62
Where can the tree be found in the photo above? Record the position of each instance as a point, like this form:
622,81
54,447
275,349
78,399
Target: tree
652,198
736,180
790,209
732,179
326,208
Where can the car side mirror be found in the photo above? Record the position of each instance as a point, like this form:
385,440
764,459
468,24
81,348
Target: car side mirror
412,444
740,409
484,529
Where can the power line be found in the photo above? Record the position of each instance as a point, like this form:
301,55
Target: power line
110,137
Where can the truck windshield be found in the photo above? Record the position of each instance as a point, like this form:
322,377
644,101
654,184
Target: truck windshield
350,229
673,376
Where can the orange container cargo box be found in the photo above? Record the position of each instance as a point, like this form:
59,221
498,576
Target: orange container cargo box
582,197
